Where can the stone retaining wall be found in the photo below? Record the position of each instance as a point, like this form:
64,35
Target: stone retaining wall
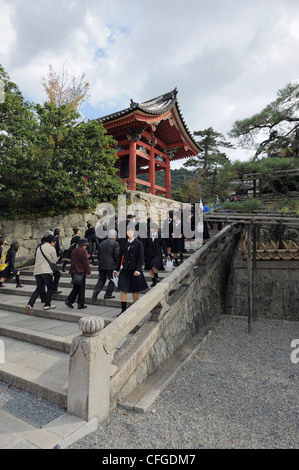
277,290
192,306
146,205
28,232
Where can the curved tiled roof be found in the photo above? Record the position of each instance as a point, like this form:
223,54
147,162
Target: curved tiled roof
159,105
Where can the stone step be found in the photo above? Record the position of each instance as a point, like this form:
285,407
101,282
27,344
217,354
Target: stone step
94,273
17,302
53,329
36,369
46,332
37,346
65,280
25,292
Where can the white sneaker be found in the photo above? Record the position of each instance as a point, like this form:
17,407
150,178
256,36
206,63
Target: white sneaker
49,307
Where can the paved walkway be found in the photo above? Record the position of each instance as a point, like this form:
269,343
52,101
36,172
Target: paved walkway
29,422
239,391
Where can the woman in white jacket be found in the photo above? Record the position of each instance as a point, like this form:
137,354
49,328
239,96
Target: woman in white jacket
43,274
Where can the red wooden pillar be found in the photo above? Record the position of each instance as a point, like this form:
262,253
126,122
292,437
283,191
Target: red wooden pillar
152,173
132,165
167,178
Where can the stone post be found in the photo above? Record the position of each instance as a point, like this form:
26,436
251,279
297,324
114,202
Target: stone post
89,372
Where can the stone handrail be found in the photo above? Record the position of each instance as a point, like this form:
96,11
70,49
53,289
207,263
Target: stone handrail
116,331
92,353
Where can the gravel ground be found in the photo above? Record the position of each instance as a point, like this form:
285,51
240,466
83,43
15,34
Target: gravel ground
239,392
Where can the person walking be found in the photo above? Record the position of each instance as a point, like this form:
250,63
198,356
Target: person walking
79,266
142,228
90,234
2,260
155,246
68,253
177,238
2,243
108,258
10,271
43,274
47,232
57,244
206,225
131,278
57,276
167,230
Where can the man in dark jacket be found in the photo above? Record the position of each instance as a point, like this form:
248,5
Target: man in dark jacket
154,246
108,258
90,234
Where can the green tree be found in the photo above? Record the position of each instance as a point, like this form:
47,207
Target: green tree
49,162
209,163
233,173
18,126
188,192
77,159
211,158
275,130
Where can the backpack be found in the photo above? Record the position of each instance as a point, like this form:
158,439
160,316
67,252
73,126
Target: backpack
66,244
3,265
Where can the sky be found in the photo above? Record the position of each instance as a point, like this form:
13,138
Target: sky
227,58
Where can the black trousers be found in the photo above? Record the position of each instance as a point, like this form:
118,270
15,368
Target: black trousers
44,289
56,281
105,274
79,293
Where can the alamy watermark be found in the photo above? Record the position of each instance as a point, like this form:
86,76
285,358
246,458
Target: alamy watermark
1,91
295,353
171,221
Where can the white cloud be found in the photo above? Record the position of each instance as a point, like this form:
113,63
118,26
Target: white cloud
7,31
227,58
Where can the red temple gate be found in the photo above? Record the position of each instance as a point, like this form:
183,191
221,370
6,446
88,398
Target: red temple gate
150,135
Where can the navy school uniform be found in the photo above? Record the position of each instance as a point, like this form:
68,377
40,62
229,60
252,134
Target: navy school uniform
132,260
167,230
177,241
153,252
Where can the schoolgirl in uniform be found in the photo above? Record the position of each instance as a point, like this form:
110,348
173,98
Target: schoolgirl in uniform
131,277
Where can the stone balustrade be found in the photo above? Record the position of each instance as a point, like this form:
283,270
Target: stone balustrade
169,314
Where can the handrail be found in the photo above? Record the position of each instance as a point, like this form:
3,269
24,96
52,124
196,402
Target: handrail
117,330
92,353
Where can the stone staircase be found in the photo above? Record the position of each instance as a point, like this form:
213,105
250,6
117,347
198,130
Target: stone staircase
37,346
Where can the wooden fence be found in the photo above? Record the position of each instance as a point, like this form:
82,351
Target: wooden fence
271,251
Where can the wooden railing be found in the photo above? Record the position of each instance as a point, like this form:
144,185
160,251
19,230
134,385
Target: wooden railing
271,251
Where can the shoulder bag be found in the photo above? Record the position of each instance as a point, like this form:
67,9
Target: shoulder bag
78,279
53,266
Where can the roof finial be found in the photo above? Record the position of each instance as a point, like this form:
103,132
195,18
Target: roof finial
132,103
174,93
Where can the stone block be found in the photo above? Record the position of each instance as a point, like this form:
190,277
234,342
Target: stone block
294,272
30,244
